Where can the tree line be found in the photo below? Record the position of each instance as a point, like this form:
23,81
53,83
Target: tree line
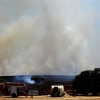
87,81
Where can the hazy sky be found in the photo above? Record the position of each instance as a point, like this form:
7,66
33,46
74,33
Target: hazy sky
49,36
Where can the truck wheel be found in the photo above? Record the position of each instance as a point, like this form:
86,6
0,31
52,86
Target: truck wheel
13,95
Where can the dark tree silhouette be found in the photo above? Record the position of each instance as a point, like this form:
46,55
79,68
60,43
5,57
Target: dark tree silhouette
37,79
95,81
81,82
87,81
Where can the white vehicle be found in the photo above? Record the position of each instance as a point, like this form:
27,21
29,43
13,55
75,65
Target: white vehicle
57,91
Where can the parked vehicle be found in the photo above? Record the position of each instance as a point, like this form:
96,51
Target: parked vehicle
13,89
57,91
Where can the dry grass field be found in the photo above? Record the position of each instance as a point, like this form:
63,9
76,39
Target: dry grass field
66,97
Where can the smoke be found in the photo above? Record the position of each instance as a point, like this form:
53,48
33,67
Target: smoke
26,79
45,37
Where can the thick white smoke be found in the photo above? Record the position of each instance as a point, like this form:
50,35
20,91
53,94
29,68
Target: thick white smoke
45,37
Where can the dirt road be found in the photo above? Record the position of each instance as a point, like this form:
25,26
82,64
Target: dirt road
52,98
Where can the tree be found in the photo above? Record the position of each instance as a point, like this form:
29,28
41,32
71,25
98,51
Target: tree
95,81
81,82
37,79
2,80
87,81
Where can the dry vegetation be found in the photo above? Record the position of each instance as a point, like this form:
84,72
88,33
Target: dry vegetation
46,97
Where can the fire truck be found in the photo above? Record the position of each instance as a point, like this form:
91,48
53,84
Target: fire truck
13,89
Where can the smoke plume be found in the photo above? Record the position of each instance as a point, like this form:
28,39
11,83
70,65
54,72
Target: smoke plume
26,79
45,37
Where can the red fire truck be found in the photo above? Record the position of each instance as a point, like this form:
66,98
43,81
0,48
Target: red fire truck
1,88
13,89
